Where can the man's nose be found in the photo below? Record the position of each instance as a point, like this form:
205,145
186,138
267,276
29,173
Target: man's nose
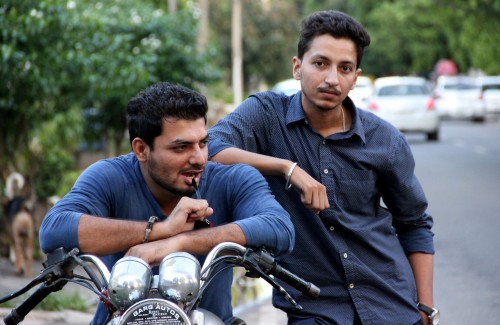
199,156
331,77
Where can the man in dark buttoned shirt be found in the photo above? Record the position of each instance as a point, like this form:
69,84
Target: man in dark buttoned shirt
346,177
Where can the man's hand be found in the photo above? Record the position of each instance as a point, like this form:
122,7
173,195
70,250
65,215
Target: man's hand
313,193
154,252
186,212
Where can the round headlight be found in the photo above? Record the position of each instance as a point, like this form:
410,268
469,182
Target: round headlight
179,278
129,282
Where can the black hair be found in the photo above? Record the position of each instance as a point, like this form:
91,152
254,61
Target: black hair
336,24
148,109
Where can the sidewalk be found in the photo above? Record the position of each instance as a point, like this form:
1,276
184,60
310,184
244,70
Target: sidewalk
261,312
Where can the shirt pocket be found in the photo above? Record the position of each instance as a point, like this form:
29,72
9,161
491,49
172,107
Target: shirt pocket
357,191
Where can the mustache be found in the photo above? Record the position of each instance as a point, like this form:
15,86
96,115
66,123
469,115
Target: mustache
330,90
194,167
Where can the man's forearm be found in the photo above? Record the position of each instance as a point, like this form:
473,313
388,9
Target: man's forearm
267,165
423,268
197,242
103,236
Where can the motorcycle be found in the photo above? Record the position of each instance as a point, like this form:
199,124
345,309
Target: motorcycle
134,296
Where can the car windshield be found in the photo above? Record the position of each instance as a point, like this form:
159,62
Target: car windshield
491,87
460,86
398,90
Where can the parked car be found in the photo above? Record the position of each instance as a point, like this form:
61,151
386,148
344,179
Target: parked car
287,87
407,103
490,93
459,97
361,92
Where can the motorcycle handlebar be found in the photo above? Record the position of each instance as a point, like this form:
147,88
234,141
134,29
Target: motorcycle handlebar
270,266
306,287
17,314
267,263
60,264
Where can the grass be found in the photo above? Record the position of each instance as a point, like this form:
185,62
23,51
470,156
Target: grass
56,301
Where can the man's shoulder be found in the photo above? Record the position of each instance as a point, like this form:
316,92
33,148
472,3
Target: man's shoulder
219,169
113,168
270,98
373,123
231,174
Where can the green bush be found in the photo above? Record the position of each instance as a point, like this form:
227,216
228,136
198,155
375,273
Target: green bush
56,301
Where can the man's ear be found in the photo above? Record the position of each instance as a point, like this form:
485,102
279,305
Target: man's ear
141,149
358,72
296,68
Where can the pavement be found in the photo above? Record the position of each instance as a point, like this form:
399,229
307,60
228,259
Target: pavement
257,312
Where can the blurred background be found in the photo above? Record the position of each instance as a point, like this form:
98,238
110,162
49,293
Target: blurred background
69,67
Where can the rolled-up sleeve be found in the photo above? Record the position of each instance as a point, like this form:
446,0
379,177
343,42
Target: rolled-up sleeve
407,202
253,207
59,228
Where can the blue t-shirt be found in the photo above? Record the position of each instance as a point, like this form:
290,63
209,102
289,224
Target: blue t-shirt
115,188
355,251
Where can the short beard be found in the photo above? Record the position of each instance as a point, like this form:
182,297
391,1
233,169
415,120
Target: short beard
167,186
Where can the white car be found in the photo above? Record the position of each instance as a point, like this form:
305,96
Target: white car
361,92
406,103
287,87
459,97
490,93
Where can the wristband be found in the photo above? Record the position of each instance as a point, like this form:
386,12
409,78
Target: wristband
289,176
149,227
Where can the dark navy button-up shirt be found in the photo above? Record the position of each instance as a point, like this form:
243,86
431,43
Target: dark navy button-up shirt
355,251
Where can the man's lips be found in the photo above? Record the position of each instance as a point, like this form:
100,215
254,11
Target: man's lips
191,175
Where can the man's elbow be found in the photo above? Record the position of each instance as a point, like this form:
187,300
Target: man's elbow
286,241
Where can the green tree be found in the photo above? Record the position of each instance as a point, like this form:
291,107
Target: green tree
129,46
269,39
406,38
409,37
34,75
58,55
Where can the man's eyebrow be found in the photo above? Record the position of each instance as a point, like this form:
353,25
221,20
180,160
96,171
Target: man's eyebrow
177,142
325,58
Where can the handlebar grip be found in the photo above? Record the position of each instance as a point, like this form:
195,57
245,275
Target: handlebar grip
17,314
306,287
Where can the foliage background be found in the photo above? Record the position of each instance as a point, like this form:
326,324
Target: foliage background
69,67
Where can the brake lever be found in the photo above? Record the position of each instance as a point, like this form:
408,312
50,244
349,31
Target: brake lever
54,269
254,270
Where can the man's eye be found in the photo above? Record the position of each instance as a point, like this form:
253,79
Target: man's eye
179,148
346,68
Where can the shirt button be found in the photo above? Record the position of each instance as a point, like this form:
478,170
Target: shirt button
345,255
324,141
325,171
351,285
332,228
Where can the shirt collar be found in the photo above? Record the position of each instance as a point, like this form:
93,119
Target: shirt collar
295,113
357,125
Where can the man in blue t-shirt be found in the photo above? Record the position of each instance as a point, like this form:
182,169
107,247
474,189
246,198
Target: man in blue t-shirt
107,210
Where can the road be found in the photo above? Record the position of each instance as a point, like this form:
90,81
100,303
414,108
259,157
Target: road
461,177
